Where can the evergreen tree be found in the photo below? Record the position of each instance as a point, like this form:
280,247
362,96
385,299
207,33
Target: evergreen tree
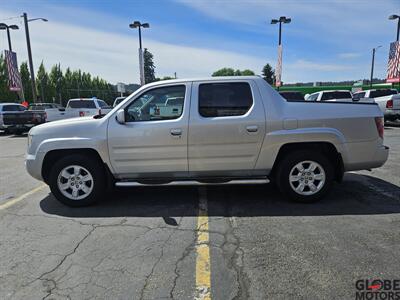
42,81
149,68
268,74
26,82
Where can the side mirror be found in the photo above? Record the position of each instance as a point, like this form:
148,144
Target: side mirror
120,116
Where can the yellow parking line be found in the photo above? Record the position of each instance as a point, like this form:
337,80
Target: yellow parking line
203,264
13,201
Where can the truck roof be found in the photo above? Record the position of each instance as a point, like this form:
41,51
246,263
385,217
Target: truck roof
217,78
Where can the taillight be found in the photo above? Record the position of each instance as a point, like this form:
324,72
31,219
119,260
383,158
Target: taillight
81,113
379,126
389,104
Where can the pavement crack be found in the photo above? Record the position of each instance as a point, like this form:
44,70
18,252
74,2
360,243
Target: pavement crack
189,248
53,282
147,280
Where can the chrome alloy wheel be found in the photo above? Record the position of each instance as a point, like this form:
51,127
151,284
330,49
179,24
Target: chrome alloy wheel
75,182
307,178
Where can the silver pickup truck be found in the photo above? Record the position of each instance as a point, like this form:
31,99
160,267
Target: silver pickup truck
213,130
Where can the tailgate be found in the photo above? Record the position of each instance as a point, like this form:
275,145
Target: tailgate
396,101
23,118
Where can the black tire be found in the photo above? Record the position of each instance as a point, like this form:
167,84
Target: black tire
96,171
290,161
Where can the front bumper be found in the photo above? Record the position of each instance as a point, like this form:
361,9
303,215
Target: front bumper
33,164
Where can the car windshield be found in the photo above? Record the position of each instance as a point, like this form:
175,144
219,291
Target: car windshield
102,104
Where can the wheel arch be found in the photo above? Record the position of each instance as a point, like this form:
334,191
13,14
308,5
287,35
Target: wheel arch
52,156
326,148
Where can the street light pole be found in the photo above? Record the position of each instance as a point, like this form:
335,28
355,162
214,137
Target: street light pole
9,39
372,65
139,25
278,71
28,45
4,26
394,17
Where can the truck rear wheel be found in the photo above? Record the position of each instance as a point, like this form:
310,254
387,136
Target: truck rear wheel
77,180
305,176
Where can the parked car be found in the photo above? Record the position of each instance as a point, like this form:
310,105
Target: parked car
53,111
342,96
118,100
216,129
84,107
14,118
387,99
292,95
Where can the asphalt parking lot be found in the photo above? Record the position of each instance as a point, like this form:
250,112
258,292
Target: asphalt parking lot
215,242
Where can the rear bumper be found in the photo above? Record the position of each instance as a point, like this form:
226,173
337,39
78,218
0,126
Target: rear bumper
392,114
365,156
17,127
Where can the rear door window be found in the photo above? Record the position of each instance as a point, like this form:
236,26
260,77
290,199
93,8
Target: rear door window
13,108
335,95
382,93
224,99
81,104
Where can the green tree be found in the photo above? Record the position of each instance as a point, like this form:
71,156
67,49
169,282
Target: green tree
56,83
224,72
232,72
268,74
26,82
42,80
247,72
149,67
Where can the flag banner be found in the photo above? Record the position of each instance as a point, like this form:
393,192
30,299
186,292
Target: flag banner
393,71
278,71
14,79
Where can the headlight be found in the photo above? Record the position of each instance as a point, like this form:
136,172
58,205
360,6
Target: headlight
29,140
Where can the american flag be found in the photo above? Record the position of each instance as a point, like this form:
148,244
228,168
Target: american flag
278,73
393,74
14,79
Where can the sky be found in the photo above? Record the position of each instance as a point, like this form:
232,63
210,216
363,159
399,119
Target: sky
327,40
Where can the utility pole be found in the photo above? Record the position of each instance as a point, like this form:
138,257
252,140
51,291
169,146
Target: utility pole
28,45
31,69
372,65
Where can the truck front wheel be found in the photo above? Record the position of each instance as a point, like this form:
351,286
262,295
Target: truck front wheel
305,176
77,180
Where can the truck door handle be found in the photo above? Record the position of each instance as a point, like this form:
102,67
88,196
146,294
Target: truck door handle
176,132
253,128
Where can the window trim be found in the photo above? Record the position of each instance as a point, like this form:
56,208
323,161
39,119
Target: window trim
225,82
152,89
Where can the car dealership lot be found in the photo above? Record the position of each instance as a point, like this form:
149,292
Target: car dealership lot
147,243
